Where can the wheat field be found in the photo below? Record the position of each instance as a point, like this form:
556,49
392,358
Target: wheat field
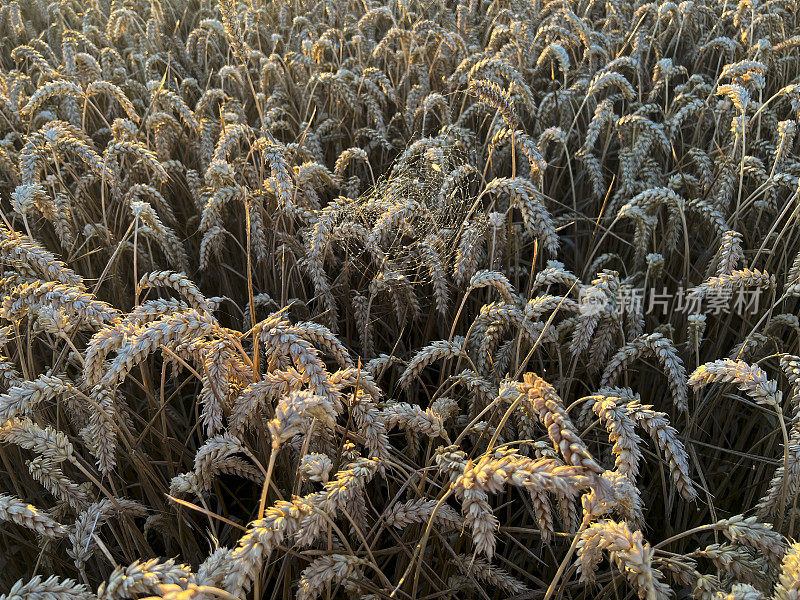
424,300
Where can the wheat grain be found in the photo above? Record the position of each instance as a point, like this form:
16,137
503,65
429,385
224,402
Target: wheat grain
749,378
15,510
141,578
628,550
38,588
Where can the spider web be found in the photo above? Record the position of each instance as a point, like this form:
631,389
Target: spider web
416,180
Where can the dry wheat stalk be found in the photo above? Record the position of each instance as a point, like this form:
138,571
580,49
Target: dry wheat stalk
361,170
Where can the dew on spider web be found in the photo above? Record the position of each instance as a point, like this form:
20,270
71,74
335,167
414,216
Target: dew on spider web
414,186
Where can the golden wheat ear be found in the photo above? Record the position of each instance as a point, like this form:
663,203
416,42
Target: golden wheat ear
628,550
